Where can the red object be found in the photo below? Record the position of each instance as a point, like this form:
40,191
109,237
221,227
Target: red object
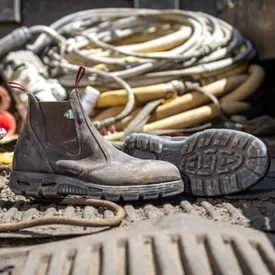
7,121
103,131
80,74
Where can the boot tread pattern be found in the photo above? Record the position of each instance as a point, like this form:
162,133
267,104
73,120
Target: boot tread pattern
215,162
58,186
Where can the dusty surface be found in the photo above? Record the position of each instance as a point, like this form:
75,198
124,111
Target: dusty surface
175,245
254,209
253,212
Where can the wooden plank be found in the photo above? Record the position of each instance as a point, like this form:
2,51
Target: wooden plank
255,19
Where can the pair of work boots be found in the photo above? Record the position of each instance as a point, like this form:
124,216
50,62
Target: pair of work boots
59,152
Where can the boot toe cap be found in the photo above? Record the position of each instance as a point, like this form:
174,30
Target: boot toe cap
135,172
160,171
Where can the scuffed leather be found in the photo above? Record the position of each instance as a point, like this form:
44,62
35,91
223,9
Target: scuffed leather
28,154
96,160
124,169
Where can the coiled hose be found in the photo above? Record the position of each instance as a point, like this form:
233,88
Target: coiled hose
231,104
171,45
176,46
171,52
166,46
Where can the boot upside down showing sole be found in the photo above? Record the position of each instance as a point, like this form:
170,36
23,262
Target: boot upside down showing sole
212,162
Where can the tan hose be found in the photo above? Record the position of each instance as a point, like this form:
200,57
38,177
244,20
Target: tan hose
199,115
142,94
190,118
209,112
180,104
163,43
256,78
125,121
111,222
108,112
210,77
196,116
113,111
194,99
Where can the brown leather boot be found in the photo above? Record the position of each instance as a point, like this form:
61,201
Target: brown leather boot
60,153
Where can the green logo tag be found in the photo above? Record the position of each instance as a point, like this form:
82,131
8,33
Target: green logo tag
69,114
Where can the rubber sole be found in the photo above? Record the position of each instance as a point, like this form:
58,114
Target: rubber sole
212,162
56,186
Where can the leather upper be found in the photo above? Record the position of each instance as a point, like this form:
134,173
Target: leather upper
93,159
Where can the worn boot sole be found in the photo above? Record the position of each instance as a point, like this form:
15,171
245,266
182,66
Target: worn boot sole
55,186
212,162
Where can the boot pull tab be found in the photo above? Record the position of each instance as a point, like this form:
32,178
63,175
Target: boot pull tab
18,86
80,74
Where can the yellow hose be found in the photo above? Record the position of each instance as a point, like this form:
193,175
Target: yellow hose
182,103
196,116
210,77
148,93
256,78
230,103
142,94
190,118
194,99
108,112
206,113
113,111
125,121
163,43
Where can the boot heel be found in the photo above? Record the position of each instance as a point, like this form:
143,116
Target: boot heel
33,184
14,184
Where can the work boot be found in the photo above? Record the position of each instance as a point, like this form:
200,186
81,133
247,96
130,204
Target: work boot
212,162
60,153
120,144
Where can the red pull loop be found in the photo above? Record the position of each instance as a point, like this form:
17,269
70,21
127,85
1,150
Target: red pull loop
80,74
18,86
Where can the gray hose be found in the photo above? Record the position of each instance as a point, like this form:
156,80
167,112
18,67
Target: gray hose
212,45
15,40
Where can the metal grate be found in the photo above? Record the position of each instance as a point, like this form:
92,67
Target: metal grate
156,252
